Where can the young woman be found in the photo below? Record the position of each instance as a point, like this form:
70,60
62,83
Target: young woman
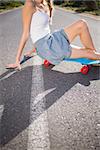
54,47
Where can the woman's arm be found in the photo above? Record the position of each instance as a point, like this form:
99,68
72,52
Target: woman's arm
27,13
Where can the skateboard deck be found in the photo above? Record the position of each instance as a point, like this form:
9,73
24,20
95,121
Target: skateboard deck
83,61
87,63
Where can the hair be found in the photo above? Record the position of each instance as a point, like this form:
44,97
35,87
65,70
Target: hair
50,6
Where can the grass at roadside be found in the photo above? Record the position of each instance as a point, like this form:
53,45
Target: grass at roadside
83,10
6,5
79,9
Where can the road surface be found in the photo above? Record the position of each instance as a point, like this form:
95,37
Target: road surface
56,108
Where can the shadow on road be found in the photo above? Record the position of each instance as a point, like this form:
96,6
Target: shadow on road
15,94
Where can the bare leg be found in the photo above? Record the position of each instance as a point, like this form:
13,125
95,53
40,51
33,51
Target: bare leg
84,53
80,29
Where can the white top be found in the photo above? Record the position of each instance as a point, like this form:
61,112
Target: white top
40,25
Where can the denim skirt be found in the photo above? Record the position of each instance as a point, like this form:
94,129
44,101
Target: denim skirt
54,47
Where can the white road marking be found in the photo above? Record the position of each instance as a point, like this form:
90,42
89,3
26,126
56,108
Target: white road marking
40,96
38,135
1,110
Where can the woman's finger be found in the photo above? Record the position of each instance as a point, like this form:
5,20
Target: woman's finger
19,66
11,66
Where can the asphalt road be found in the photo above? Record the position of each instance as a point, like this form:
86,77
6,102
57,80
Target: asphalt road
56,108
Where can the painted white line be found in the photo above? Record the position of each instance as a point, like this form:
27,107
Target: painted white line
38,135
1,110
38,132
40,96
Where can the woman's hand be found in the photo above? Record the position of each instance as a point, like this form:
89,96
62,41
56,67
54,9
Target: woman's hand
16,65
27,13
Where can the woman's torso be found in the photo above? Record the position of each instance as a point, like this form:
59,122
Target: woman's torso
39,25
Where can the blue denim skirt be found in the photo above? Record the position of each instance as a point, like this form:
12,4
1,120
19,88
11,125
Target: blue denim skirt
54,47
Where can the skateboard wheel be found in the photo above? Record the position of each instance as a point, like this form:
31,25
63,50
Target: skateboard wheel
84,69
46,63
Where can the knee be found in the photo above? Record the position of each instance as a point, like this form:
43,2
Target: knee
82,24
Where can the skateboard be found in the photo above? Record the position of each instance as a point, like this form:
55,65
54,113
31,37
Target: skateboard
87,63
